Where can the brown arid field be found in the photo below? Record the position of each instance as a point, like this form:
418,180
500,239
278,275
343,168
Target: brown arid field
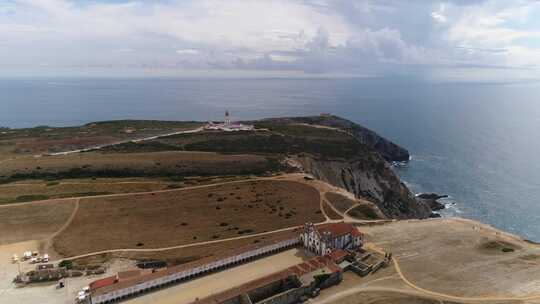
163,219
33,221
35,190
330,212
187,253
353,208
340,201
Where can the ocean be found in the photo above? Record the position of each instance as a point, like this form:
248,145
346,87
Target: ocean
477,143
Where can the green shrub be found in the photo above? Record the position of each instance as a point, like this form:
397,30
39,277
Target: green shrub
66,263
29,198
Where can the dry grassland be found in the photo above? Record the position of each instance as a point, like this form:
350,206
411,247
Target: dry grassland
188,254
333,215
340,202
189,216
135,164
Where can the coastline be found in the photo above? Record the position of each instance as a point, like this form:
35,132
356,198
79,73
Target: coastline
452,208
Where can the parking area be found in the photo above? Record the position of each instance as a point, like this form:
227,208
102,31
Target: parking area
43,293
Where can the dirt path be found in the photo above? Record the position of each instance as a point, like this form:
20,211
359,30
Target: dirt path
352,291
443,296
320,186
69,220
48,242
137,193
147,192
126,141
457,298
180,246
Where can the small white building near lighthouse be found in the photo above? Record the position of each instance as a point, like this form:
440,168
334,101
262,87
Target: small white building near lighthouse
228,125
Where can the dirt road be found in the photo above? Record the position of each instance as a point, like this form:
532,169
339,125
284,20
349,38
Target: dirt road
126,141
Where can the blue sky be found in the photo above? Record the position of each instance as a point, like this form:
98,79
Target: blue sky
464,40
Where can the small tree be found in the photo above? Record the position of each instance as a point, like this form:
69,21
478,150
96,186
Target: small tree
66,263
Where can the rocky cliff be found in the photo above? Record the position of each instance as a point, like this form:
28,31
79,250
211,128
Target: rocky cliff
367,174
371,179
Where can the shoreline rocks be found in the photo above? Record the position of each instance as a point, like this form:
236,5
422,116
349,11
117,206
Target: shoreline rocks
432,200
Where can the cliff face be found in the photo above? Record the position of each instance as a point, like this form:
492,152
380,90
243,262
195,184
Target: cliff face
387,149
372,179
366,173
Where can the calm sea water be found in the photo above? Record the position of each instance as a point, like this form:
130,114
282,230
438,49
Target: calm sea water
477,143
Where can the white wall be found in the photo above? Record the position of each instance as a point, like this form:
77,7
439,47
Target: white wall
194,271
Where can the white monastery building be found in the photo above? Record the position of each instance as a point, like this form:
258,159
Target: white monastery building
323,239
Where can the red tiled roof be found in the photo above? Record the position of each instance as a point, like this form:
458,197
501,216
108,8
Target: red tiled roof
102,283
122,275
338,229
356,233
338,255
299,270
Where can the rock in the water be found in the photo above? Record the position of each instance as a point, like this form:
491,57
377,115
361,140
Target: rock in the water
431,199
434,196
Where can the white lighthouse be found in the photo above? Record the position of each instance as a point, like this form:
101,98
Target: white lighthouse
228,125
227,118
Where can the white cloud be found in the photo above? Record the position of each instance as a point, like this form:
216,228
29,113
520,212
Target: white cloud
439,14
187,52
438,17
285,58
309,36
493,33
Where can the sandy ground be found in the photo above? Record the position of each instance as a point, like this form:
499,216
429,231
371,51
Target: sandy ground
221,281
33,221
43,293
451,256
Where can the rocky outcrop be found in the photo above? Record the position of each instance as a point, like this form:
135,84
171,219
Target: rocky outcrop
432,200
369,177
366,174
387,149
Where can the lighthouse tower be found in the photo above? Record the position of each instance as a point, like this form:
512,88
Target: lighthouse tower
227,118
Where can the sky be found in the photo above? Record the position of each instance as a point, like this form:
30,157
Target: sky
457,40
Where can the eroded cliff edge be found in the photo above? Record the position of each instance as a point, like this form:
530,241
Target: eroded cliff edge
367,174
